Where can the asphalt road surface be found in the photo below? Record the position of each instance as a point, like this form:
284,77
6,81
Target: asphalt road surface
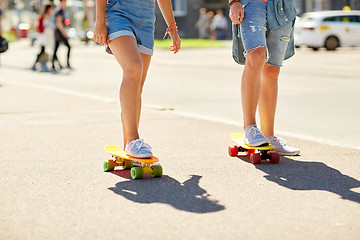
53,128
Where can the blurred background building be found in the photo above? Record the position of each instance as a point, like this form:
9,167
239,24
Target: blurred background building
187,12
21,14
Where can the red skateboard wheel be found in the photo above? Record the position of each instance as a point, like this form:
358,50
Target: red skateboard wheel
274,157
255,158
233,151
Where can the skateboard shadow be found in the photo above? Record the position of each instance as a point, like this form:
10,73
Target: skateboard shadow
187,196
305,176
122,173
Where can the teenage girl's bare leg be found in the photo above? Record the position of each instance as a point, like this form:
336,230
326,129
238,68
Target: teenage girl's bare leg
268,99
127,54
146,63
250,84
146,59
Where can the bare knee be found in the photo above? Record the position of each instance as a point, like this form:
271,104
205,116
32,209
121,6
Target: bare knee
271,72
133,72
256,57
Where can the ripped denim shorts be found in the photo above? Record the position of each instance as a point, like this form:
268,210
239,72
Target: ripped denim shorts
254,33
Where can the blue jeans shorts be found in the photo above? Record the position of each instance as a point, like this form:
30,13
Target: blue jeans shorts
135,18
254,33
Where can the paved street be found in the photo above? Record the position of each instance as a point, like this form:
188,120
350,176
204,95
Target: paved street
53,128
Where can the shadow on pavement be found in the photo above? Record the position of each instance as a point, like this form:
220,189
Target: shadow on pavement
301,175
187,196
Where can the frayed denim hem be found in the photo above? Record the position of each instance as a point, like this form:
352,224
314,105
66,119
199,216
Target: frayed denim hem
255,48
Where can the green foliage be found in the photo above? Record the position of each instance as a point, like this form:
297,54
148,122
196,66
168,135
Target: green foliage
190,43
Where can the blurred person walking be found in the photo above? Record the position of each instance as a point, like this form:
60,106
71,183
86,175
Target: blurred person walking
45,36
201,24
220,25
210,16
61,35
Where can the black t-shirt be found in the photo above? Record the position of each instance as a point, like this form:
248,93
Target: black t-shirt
59,12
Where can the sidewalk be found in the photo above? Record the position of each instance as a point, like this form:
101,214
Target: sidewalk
53,185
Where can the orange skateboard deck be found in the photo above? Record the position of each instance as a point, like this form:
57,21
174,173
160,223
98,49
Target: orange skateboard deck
256,153
126,161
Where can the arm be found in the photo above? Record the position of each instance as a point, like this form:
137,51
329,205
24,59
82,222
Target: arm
236,11
60,24
166,10
100,30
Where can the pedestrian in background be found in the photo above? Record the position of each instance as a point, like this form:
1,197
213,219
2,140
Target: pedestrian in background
220,25
210,33
201,24
45,36
262,39
127,28
61,35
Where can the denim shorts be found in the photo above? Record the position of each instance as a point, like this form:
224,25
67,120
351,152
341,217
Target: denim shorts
135,18
255,33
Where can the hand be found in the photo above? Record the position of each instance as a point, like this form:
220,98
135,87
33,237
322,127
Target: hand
236,13
175,47
101,33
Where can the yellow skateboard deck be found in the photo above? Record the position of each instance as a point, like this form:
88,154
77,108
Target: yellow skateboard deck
239,139
256,153
126,161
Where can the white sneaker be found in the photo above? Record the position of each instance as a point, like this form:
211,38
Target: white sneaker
254,137
138,149
282,148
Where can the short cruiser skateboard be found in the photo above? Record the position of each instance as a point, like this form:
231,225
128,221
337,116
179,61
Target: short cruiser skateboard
126,161
263,152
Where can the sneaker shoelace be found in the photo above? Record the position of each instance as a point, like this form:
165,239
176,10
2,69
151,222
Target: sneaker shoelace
139,143
255,131
280,141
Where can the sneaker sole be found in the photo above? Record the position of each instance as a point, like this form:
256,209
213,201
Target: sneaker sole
258,144
140,156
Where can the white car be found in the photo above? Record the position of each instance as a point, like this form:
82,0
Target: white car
329,29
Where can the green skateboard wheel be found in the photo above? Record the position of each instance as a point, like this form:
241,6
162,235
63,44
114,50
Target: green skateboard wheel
157,171
109,165
127,164
136,172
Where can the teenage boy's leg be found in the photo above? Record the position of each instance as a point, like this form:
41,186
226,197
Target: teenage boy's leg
277,42
268,98
253,30
250,84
